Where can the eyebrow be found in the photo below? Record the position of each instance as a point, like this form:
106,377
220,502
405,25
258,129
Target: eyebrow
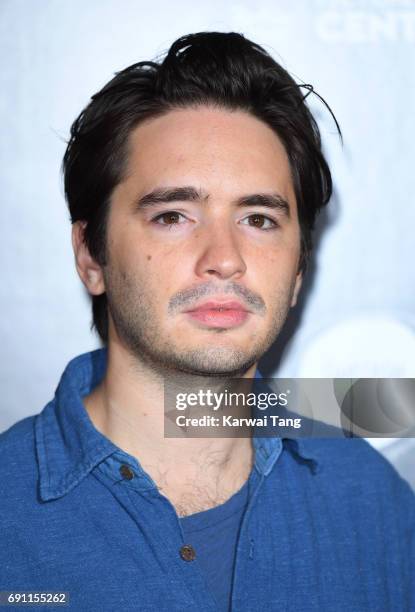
191,194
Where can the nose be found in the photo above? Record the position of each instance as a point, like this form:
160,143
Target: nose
220,252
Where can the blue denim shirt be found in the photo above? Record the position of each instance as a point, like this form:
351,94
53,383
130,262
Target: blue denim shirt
329,523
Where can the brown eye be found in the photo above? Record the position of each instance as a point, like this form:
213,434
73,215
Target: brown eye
260,221
168,218
257,220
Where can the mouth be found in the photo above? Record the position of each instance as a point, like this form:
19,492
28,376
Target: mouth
219,314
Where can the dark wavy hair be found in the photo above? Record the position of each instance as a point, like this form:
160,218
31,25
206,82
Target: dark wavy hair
208,68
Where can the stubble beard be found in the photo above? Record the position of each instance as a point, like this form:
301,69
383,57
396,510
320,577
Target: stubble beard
132,315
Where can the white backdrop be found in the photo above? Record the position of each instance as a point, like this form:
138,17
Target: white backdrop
356,317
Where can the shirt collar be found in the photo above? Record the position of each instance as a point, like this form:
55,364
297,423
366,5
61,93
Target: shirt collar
69,446
268,449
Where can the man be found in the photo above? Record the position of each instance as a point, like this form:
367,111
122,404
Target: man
193,185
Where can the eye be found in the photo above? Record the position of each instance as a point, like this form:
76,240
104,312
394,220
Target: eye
168,218
260,221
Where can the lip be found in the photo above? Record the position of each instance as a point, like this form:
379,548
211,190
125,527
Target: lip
217,313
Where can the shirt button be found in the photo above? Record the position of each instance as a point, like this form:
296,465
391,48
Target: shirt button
126,472
187,552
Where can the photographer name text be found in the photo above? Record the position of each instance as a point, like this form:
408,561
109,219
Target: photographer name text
231,421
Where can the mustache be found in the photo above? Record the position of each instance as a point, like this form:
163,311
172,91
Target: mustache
193,294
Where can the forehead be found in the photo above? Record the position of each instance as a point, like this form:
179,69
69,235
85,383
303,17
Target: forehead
211,147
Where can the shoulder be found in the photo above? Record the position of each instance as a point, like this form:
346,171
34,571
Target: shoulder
21,432
350,454
354,465
17,457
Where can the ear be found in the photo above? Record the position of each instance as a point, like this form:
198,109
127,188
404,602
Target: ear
297,287
89,271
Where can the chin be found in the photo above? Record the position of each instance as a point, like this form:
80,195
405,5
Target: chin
215,361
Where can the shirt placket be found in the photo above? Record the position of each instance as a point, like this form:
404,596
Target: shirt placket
157,518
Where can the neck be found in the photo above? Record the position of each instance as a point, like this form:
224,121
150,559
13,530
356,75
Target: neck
128,408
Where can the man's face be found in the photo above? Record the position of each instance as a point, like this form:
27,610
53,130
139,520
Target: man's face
203,242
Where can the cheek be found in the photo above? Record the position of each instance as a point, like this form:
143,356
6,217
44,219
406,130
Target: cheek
163,272
274,271
277,261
